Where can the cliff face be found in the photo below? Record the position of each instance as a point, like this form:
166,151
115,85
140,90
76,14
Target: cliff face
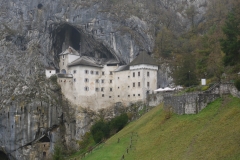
33,33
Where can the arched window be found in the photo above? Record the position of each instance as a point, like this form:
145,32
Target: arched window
63,71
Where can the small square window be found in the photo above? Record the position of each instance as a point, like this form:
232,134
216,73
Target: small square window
133,84
148,74
102,95
128,95
133,95
118,77
49,71
110,81
139,95
96,89
111,73
96,72
110,89
128,86
102,80
128,76
138,73
86,88
97,80
63,56
63,63
139,84
133,74
74,71
86,80
102,73
148,84
91,72
118,95
86,71
74,80
110,96
102,89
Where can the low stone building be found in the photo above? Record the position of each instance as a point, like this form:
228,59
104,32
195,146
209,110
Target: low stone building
100,82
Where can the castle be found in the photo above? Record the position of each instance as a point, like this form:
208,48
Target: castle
100,83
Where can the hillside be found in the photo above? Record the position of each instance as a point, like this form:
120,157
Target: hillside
212,134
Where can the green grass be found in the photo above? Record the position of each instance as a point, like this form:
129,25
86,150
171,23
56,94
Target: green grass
214,133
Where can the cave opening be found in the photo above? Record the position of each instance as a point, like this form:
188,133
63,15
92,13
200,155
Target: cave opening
44,139
66,36
3,156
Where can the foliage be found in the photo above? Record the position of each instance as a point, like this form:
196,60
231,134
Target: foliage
102,129
185,73
231,43
53,78
237,84
58,152
118,122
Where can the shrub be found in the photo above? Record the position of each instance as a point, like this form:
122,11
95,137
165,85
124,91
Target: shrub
53,78
100,130
118,123
237,84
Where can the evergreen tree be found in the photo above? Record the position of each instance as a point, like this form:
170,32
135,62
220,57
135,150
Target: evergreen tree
230,45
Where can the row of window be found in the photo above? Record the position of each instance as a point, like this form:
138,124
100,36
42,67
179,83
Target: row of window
139,73
119,95
98,89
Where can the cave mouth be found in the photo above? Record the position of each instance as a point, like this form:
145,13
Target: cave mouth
3,156
65,35
44,139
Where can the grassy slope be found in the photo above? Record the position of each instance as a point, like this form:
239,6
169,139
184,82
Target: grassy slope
212,134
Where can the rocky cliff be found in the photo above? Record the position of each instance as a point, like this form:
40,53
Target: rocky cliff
33,33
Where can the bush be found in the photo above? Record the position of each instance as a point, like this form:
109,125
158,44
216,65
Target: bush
237,84
101,129
53,78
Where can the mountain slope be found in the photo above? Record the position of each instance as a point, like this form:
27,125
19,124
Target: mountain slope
212,134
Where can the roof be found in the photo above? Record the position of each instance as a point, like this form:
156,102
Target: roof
60,75
70,50
85,61
112,61
143,58
122,68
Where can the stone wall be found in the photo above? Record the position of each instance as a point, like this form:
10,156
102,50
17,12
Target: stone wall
192,103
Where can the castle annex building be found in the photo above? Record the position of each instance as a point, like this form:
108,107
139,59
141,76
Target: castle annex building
100,82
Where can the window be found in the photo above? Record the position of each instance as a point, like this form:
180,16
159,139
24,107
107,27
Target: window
102,89
139,84
97,80
86,71
128,95
128,86
118,77
110,89
91,72
110,96
133,95
111,73
133,84
102,80
148,74
86,88
118,87
139,95
96,72
102,95
148,84
63,63
110,81
96,89
74,71
63,56
74,80
133,74
102,73
86,80
118,95
138,74
128,76
49,71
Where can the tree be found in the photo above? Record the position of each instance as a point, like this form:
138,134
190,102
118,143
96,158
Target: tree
185,73
230,45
